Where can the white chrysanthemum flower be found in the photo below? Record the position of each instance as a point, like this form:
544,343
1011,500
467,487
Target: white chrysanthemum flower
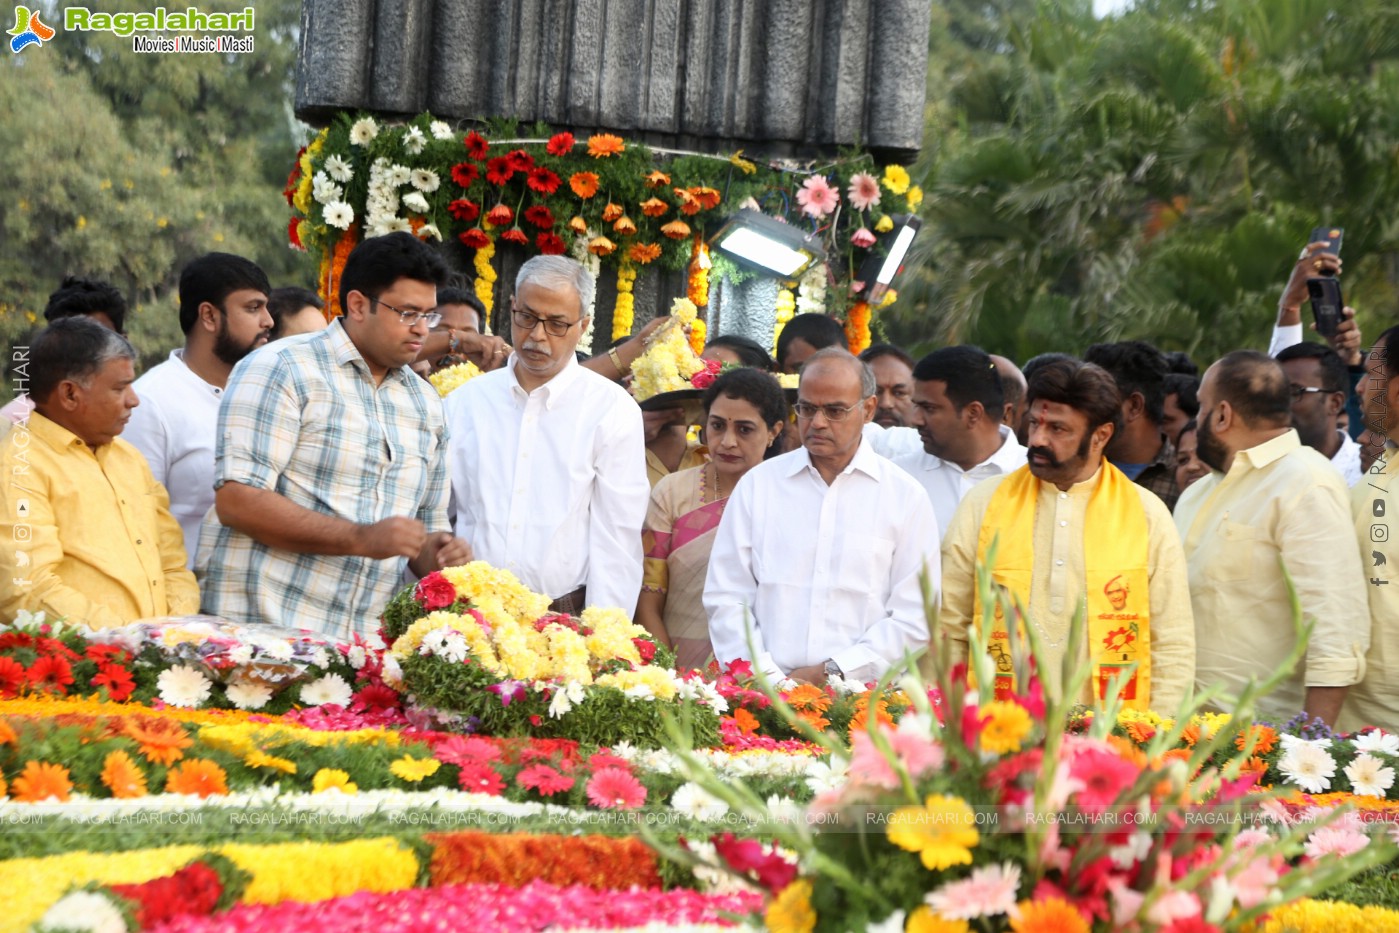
339,169
454,647
320,657
278,648
697,803
84,910
241,655
324,190
1369,776
248,694
429,232
1385,743
425,180
339,214
364,131
331,688
414,141
398,175
183,686
392,672
1309,767
357,657
440,130
416,203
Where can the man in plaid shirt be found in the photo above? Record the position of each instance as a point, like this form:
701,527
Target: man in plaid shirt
1141,449
329,470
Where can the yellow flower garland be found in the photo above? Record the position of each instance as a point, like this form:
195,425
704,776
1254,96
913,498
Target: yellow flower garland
622,315
485,275
786,307
446,381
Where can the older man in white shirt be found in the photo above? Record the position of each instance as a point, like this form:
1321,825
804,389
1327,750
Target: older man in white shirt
958,411
547,458
821,549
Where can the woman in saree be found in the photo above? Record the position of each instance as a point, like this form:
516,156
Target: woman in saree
744,413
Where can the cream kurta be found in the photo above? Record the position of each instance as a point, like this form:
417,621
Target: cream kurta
1375,700
1058,583
1281,505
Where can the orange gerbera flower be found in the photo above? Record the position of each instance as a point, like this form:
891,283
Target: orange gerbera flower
197,776
654,207
676,230
602,145
122,776
688,203
747,722
625,226
809,696
39,781
578,225
611,212
644,252
814,718
1141,732
162,741
707,197
1190,735
656,179
601,246
1266,739
7,733
584,184
1049,915
1128,750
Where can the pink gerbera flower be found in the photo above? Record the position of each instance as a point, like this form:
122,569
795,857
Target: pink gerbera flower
480,778
817,197
465,750
544,779
1342,841
989,891
615,789
863,191
1104,774
862,238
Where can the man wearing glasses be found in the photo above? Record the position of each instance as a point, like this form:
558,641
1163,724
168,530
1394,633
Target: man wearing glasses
1320,386
816,564
330,463
1272,518
547,458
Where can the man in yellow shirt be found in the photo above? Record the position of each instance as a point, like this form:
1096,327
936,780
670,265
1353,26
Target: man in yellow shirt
1269,505
1069,527
1375,507
87,531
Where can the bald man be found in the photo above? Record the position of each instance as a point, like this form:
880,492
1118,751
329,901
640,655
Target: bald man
1013,388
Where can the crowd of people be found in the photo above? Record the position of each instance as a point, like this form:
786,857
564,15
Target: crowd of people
1161,529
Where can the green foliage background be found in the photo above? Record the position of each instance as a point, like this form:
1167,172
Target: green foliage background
1148,174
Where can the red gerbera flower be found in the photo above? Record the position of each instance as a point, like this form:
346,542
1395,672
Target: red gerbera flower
51,674
15,640
515,235
499,170
520,160
464,210
560,144
465,750
544,779
540,216
476,145
107,654
550,244
543,180
474,238
11,677
464,173
479,778
500,215
116,679
373,698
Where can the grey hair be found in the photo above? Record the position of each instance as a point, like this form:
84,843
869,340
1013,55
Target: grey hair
867,383
553,272
73,348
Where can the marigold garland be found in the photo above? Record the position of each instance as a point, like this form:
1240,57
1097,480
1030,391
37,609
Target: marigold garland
622,314
332,265
600,862
485,276
857,327
786,307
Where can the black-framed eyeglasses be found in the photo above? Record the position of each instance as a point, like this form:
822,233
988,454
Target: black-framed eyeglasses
411,318
832,412
1299,391
552,326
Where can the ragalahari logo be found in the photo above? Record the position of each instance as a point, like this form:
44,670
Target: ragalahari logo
29,30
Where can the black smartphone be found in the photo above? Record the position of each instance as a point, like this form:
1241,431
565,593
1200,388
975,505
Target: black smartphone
1325,293
1331,235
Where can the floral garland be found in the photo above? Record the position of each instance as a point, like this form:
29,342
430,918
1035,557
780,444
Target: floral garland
332,265
485,275
786,307
446,381
594,266
857,327
600,862
812,289
671,360
622,313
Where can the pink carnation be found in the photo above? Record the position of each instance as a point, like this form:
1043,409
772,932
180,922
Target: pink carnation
817,197
615,789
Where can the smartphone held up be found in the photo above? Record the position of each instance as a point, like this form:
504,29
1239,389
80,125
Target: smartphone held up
1325,294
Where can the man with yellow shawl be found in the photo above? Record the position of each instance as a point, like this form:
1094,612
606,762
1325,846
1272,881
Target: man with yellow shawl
1069,527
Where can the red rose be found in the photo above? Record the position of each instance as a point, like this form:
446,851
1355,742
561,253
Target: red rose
474,238
703,379
560,144
434,592
646,648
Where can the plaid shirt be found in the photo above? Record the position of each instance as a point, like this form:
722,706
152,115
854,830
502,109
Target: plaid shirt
1160,475
303,418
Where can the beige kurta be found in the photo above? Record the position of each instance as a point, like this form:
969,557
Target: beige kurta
1375,700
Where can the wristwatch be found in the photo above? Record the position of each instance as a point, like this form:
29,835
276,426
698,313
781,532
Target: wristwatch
833,670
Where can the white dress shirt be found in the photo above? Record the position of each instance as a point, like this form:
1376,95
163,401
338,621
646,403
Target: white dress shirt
551,484
890,442
823,571
1347,459
175,428
947,484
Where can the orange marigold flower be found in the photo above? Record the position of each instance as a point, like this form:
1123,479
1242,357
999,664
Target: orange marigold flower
41,780
656,179
1190,735
578,225
584,184
197,776
1266,739
7,733
1140,731
122,776
747,722
707,197
644,252
162,741
1128,750
1049,915
625,225
689,204
601,246
611,212
676,230
814,718
654,207
602,145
